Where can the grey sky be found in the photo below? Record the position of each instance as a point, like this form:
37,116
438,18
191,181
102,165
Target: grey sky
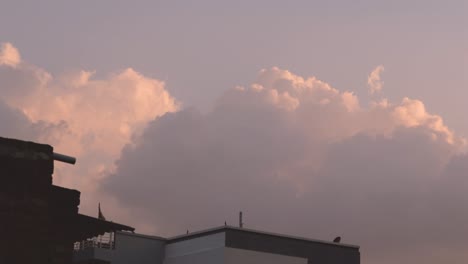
202,48
296,141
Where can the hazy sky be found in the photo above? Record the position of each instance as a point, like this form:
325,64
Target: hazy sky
200,48
317,118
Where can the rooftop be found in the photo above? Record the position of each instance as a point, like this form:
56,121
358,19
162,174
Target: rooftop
220,229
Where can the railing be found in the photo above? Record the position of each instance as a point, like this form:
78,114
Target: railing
106,241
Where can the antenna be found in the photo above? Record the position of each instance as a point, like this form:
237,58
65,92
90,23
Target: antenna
241,222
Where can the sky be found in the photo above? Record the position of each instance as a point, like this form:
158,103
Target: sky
316,118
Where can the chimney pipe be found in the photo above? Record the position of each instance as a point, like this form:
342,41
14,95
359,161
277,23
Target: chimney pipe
64,158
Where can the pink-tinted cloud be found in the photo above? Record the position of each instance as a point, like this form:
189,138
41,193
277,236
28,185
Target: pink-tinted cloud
374,82
9,55
295,154
92,118
298,156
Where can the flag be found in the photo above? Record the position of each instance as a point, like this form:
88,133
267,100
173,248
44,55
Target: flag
100,215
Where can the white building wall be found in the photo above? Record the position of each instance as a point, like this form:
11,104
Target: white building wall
201,250
210,256
240,256
211,249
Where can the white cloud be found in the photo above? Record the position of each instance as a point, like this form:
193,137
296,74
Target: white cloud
298,156
89,118
9,55
374,81
295,154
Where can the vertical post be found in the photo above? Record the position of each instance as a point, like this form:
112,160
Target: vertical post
112,240
115,239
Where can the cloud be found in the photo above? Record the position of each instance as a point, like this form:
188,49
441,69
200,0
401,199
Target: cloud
20,126
298,156
9,55
374,82
295,154
383,192
82,116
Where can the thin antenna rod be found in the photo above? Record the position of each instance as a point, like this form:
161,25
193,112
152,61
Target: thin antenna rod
241,223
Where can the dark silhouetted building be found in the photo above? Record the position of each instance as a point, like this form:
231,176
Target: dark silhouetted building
39,222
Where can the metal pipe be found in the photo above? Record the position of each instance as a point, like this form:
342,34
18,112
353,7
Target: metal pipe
64,158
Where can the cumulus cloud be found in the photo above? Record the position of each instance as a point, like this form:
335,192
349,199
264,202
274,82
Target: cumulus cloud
298,156
9,55
86,117
295,154
374,81
20,126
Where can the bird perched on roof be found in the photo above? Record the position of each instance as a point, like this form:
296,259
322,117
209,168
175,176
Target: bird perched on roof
225,224
337,240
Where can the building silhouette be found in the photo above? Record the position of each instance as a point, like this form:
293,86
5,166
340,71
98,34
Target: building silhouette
40,221
222,245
